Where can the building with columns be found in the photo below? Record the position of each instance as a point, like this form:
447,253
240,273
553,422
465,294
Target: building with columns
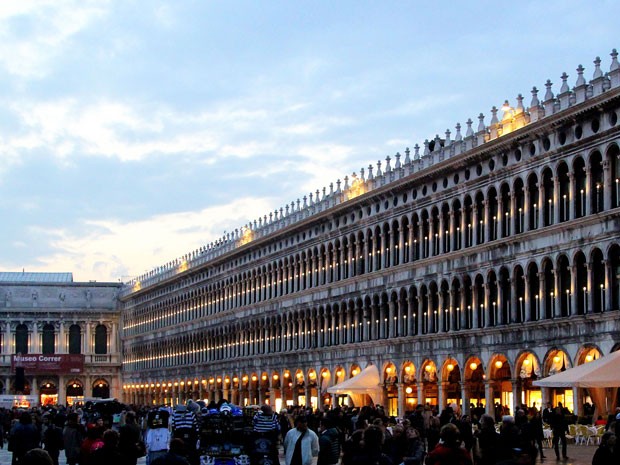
62,335
463,270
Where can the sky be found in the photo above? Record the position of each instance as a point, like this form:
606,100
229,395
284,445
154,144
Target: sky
133,132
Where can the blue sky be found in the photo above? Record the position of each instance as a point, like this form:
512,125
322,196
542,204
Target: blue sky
133,132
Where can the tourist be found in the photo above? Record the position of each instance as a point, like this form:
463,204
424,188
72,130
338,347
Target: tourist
370,452
300,443
329,443
605,453
37,456
109,453
559,427
23,437
52,439
130,443
449,450
175,456
414,454
72,436
488,440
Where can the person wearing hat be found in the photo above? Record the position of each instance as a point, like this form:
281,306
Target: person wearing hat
301,444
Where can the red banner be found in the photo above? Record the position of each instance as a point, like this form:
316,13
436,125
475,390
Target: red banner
48,363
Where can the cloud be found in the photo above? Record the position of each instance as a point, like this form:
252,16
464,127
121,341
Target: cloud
111,249
35,33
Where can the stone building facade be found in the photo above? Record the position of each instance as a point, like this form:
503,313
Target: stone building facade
463,270
64,335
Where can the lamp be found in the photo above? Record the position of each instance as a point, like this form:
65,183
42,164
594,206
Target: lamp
499,364
473,366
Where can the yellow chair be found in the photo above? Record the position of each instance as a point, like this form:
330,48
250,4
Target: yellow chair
582,434
572,433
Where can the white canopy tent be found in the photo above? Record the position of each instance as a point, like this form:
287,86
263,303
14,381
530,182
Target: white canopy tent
365,382
596,376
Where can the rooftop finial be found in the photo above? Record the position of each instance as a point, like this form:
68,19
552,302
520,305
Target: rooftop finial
548,93
535,102
614,60
597,68
564,88
458,137
581,81
469,131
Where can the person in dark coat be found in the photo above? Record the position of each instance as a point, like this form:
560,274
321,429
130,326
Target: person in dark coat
129,436
72,436
24,437
604,455
329,443
52,441
488,440
174,456
109,453
559,426
370,452
449,451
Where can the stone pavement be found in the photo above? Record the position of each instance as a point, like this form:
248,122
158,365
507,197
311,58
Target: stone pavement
578,455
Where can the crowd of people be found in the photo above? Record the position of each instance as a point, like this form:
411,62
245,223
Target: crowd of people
338,436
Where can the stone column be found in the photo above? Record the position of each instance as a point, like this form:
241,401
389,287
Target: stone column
401,400
607,185
35,346
86,343
475,224
488,398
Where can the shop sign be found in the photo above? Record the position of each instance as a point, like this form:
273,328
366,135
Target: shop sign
48,363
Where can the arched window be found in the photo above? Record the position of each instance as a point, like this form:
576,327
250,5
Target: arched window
48,339
75,339
101,340
21,339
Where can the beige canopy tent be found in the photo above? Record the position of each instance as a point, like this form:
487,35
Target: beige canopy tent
596,376
365,382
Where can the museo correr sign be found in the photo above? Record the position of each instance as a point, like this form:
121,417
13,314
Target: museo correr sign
48,363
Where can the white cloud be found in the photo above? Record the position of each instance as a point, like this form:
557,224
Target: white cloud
35,33
111,249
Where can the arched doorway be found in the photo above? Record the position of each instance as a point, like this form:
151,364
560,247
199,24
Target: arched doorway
501,386
430,388
557,361
474,382
48,391
451,376
529,371
390,389
75,392
101,389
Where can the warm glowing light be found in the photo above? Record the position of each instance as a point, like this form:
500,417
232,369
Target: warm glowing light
339,373
254,378
275,377
264,377
235,379
408,390
499,364
473,366
407,369
286,375
325,374
450,367
589,358
388,370
219,380
526,362
312,375
355,372
556,359
428,368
